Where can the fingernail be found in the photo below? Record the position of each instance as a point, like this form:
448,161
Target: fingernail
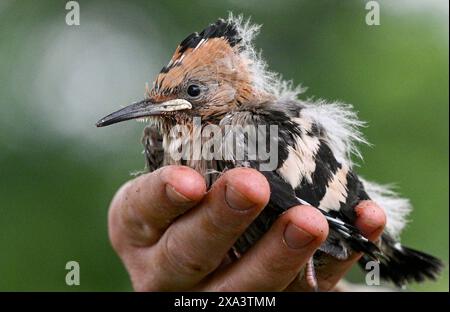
295,237
236,200
175,196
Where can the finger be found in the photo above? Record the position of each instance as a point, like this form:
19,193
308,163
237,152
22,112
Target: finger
196,243
144,207
276,259
370,220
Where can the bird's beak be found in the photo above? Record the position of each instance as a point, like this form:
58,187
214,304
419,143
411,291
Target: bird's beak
143,108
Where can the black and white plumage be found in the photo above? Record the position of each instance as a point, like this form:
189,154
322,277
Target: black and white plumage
218,75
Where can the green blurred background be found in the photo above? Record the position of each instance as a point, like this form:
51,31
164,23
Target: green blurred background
58,172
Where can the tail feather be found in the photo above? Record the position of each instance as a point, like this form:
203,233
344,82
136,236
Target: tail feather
350,235
402,265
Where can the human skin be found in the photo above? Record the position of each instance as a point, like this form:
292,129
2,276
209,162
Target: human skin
174,235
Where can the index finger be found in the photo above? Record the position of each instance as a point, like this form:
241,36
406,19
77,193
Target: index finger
144,207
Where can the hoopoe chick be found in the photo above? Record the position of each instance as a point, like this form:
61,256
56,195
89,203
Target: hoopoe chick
216,80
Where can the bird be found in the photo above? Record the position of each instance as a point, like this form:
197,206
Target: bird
217,79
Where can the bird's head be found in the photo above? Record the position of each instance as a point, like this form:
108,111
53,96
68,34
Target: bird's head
210,74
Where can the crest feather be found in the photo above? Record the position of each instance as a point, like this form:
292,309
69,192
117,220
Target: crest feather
263,79
240,34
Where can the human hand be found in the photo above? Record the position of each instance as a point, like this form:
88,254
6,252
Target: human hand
172,235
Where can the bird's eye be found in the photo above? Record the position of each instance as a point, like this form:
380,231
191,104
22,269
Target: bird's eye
193,90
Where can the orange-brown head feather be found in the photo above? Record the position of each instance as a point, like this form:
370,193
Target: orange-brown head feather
214,61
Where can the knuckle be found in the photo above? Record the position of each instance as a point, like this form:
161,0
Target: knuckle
127,226
121,197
